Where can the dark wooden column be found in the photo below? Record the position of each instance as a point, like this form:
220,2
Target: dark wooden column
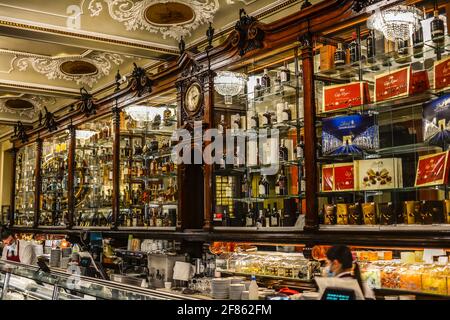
13,191
307,57
447,12
71,177
116,167
208,168
38,182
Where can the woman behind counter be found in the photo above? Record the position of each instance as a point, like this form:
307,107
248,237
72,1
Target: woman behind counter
16,250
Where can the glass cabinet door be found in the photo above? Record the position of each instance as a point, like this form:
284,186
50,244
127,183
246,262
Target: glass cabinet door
25,186
383,128
93,185
260,181
54,173
148,182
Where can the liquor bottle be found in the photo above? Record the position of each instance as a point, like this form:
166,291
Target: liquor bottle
274,217
263,187
278,88
237,160
246,187
254,121
153,167
285,74
260,219
221,125
418,41
159,217
339,56
265,81
437,29
110,174
236,125
281,184
403,51
300,148
225,218
127,148
283,152
371,48
258,94
137,148
267,213
266,118
154,145
354,49
126,171
249,218
286,115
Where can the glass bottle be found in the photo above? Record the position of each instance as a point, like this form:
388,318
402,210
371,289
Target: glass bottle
258,91
286,115
267,213
154,145
265,81
277,84
127,148
300,149
437,29
418,41
245,186
354,49
339,55
137,148
371,48
275,217
285,74
221,125
254,121
266,118
249,218
263,187
283,152
260,219
281,184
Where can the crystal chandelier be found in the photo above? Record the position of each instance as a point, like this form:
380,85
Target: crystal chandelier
84,134
229,84
396,23
143,113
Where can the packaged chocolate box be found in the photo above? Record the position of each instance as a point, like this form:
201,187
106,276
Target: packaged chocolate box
330,214
432,212
377,174
386,213
342,213
351,134
354,214
369,213
436,121
432,169
411,212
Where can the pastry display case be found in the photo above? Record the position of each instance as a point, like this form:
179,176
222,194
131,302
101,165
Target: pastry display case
259,181
23,282
53,202
25,185
381,127
148,173
93,185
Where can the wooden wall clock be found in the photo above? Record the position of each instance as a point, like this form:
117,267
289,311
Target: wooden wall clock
193,98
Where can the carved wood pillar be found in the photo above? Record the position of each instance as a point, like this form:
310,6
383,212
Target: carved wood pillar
38,183
307,57
71,177
116,167
13,191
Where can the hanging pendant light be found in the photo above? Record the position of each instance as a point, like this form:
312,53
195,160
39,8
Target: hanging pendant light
229,84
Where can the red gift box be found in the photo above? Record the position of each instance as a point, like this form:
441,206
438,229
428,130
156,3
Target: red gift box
432,169
345,95
327,178
392,84
419,82
344,179
442,73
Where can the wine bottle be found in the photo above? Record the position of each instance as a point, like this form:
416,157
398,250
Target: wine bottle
286,114
371,48
284,152
258,94
354,49
437,29
254,121
221,125
266,118
265,81
418,41
249,218
263,187
277,84
339,55
274,218
260,220
285,74
267,213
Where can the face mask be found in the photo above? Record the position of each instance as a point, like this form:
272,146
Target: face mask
12,249
328,272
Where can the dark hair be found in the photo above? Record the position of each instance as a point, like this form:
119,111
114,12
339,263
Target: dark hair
6,233
344,255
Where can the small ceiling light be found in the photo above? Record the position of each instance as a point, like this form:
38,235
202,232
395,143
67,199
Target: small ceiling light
143,113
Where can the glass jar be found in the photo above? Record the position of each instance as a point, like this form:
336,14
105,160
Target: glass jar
390,276
434,279
411,277
370,273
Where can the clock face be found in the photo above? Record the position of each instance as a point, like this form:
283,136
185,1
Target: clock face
193,98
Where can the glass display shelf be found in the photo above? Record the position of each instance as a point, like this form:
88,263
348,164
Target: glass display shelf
396,227
25,185
274,197
385,62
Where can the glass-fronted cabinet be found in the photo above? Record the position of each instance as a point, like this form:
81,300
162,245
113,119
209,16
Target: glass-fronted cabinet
148,181
54,180
258,110
25,185
383,108
93,178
